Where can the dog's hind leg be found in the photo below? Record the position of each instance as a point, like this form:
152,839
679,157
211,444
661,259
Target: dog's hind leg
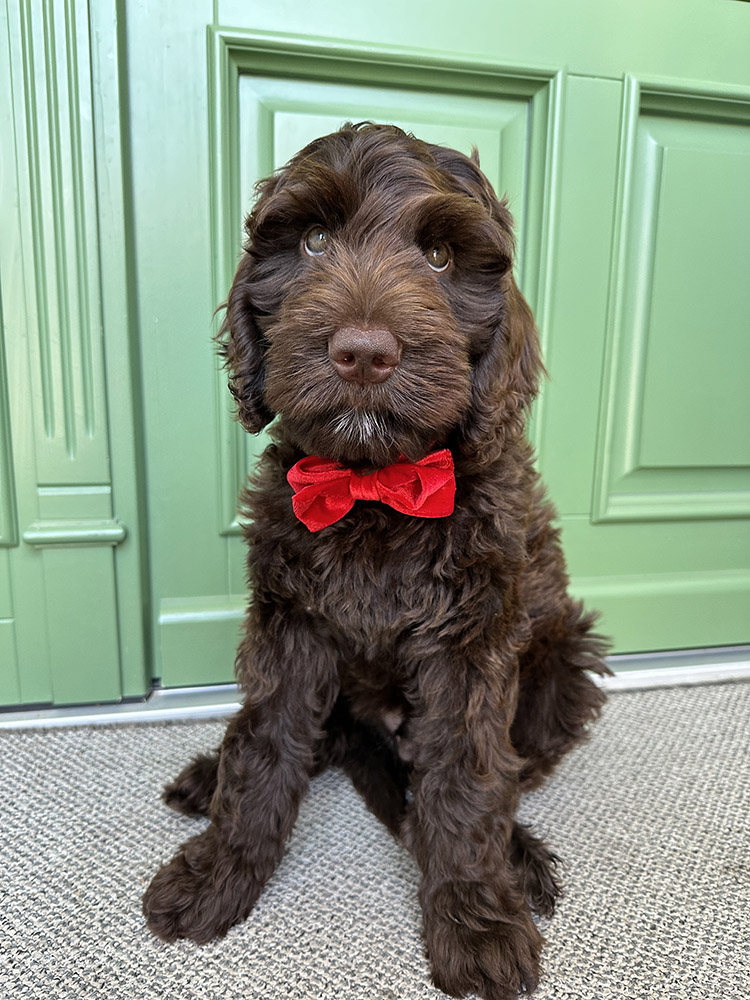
369,756
192,790
558,698
365,753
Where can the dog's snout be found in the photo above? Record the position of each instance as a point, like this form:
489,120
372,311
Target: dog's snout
364,356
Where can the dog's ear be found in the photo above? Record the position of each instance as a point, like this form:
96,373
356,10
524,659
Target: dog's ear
505,376
242,346
505,379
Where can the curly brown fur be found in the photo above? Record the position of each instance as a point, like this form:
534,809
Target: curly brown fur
440,662
192,790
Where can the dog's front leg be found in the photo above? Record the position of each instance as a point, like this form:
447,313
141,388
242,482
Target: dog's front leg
479,933
266,759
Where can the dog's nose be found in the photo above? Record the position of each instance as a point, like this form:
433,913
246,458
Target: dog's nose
364,356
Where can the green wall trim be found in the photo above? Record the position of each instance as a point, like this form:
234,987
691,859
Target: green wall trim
634,608
43,533
184,610
198,638
711,100
678,506
348,58
661,584
121,342
10,689
8,531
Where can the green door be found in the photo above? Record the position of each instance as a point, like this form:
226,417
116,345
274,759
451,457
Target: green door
621,132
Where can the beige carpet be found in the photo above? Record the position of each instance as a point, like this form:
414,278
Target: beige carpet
651,818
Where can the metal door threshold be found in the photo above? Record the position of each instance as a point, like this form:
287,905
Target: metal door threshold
633,672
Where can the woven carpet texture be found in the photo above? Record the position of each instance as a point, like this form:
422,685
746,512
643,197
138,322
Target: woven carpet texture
651,818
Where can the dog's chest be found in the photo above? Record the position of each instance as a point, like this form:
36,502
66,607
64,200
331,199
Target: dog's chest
372,585
376,592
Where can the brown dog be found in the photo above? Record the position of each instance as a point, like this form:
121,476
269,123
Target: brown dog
409,618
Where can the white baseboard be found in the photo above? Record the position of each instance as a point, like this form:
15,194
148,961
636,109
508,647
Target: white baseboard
632,672
162,705
678,668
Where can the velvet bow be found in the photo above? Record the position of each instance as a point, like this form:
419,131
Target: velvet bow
325,491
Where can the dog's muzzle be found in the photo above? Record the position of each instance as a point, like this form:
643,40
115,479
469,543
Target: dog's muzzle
364,356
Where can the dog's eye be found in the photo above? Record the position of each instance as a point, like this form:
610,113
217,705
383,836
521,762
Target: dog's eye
438,256
315,241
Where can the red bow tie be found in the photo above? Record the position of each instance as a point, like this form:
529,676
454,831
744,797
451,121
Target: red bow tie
325,492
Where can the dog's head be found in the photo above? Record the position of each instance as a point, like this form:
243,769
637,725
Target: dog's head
374,307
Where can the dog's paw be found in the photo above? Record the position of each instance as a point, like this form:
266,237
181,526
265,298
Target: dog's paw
199,895
498,962
192,790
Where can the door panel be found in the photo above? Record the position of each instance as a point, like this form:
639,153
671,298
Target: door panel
672,470
699,294
675,396
276,117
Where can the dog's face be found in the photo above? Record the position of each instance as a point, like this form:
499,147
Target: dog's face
374,307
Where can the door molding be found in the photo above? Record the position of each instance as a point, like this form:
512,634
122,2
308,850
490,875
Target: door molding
233,53
627,485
